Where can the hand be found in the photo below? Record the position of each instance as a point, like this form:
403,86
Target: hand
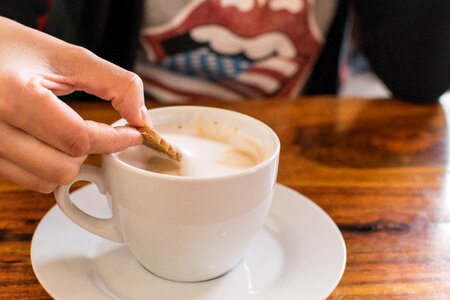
43,141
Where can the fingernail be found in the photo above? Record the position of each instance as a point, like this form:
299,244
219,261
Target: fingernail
132,134
146,117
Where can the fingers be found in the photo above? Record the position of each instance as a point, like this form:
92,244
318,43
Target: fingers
99,138
56,124
33,156
57,87
97,76
52,141
22,177
106,139
67,68
29,162
43,140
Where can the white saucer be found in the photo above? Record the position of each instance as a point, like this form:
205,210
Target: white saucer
300,254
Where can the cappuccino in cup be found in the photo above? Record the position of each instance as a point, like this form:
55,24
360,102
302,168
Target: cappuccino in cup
207,147
193,220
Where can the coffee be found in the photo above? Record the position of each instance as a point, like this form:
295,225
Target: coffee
208,149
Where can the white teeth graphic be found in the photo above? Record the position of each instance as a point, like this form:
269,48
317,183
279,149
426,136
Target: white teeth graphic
226,42
265,83
241,5
280,65
292,6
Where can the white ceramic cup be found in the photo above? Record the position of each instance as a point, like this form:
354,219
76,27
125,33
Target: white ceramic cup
183,228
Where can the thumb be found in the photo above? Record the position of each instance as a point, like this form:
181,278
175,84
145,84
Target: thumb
106,139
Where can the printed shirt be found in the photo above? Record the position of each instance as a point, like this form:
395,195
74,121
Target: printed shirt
230,50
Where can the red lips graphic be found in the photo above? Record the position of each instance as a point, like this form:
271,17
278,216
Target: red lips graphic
217,49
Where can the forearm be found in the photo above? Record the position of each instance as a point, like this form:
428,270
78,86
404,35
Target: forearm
408,45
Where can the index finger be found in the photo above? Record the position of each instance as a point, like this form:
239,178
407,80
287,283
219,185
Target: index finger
92,74
56,124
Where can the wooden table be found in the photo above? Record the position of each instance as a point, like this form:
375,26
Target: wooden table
379,168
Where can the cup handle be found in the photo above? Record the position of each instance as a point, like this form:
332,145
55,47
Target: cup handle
101,227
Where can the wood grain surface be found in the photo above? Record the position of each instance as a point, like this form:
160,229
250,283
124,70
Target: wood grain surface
379,168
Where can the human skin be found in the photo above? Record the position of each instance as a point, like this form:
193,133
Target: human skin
44,141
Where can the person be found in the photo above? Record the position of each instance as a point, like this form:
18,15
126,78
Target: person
196,49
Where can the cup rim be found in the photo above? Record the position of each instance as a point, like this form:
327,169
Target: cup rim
261,165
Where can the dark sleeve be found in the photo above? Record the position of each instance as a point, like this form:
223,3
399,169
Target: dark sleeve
324,76
407,43
23,11
108,28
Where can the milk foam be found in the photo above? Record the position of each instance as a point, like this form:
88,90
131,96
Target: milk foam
208,149
205,157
